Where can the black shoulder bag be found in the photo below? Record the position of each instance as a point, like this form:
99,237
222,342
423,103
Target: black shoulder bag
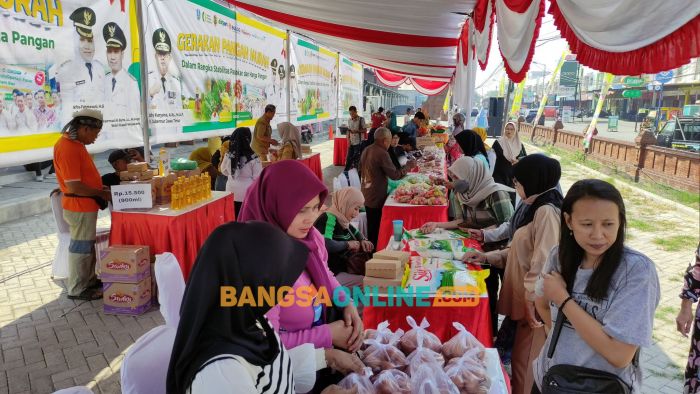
572,379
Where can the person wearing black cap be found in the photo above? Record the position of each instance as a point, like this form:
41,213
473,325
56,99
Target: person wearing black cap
83,196
163,88
119,159
81,79
121,89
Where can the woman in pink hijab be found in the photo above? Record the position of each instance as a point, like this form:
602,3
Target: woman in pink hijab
288,195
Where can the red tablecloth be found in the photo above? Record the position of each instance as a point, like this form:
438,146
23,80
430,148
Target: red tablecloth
413,216
314,163
476,319
340,150
181,233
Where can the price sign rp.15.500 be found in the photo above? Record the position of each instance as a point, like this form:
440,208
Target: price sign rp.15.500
132,196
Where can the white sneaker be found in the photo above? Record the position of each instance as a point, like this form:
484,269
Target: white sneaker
40,178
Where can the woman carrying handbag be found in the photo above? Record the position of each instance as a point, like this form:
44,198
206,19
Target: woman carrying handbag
601,295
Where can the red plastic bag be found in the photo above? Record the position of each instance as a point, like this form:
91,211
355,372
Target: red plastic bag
360,381
461,343
381,356
469,374
392,381
409,341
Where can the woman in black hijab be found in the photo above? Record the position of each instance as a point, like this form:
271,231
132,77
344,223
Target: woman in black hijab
233,349
473,146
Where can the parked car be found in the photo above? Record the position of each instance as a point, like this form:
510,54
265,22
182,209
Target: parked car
530,117
680,133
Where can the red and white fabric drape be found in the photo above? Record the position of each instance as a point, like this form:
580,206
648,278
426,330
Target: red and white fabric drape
429,87
630,37
518,25
482,32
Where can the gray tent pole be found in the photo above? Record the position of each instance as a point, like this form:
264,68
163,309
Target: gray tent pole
289,87
144,82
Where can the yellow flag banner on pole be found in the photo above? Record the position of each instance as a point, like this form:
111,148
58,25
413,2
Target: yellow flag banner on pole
502,87
517,99
607,82
446,104
543,100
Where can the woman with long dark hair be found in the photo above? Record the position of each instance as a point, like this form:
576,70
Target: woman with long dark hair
534,231
241,165
607,292
687,320
472,146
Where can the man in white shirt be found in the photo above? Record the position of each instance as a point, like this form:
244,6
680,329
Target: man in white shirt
121,90
7,122
81,79
163,88
25,121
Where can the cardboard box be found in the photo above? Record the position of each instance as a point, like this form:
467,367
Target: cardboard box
403,257
146,176
127,298
186,173
137,167
125,264
381,283
129,176
163,186
306,148
387,269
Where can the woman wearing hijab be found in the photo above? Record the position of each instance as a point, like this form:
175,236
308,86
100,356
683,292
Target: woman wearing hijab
471,145
291,142
342,239
509,150
535,232
491,155
203,159
481,201
241,165
233,348
288,195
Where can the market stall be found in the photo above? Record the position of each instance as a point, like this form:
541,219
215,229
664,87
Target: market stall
340,150
419,198
180,232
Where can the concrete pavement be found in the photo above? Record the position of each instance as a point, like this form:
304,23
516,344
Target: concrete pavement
48,342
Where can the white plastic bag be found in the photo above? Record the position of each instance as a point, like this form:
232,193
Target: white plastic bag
360,381
383,356
461,343
429,379
409,341
392,381
468,373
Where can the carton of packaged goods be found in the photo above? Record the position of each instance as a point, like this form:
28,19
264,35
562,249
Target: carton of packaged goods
382,283
392,255
386,269
306,148
137,167
125,264
146,175
127,298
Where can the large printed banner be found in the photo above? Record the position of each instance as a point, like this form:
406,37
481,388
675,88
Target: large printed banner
57,57
210,70
314,82
350,87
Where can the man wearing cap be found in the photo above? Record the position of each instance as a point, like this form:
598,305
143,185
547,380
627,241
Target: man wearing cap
120,159
121,89
163,88
83,196
81,80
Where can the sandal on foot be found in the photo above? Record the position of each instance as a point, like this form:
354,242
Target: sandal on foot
87,295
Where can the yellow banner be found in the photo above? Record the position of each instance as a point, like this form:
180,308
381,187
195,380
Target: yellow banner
607,82
517,99
543,99
502,87
446,104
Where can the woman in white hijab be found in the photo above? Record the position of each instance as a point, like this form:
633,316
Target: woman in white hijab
291,141
508,150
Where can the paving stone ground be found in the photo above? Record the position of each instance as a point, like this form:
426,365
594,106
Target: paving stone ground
48,342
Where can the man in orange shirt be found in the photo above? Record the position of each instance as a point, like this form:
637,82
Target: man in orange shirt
83,196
